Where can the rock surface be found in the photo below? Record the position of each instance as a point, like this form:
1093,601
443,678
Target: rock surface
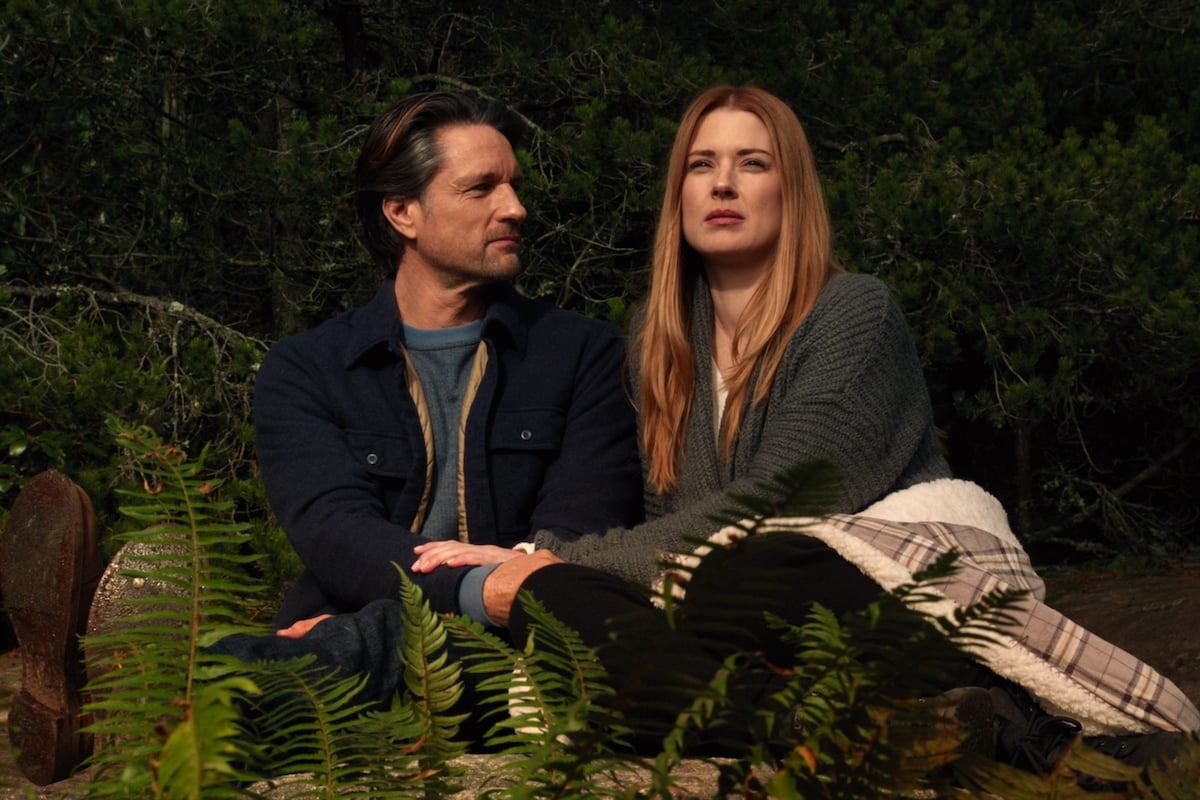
1151,611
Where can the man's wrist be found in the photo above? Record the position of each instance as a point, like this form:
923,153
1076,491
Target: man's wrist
470,594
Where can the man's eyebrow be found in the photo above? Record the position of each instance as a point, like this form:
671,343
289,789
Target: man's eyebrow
489,176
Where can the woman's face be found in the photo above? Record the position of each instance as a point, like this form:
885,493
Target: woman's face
732,204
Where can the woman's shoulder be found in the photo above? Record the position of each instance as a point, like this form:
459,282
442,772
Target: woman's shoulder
849,287
856,316
851,300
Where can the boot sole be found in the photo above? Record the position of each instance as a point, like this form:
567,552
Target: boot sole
47,554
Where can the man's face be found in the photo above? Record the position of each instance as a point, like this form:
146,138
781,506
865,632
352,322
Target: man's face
466,229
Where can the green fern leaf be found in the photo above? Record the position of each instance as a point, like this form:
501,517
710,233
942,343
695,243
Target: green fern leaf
433,678
319,741
152,711
551,706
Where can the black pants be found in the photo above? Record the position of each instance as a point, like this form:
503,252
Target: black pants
656,667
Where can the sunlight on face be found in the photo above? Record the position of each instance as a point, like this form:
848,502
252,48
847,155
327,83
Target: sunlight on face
732,202
468,224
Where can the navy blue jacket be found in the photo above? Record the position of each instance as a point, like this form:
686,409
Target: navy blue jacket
549,445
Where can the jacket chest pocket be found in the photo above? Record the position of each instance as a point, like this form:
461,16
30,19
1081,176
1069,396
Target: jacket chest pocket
522,444
388,463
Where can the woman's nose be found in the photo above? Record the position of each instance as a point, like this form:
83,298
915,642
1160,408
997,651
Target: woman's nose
722,190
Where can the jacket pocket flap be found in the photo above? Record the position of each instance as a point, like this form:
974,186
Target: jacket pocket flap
381,454
528,429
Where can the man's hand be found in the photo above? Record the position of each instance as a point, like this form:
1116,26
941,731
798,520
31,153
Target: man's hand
500,588
301,626
432,555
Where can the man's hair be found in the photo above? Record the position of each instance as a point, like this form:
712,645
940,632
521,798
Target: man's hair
401,155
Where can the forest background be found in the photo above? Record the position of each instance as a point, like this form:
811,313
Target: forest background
175,196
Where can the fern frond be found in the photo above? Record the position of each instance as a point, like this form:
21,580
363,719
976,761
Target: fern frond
1178,777
431,676
551,705
1085,773
859,687
312,731
158,727
807,489
207,748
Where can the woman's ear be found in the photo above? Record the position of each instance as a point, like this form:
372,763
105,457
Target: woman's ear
404,214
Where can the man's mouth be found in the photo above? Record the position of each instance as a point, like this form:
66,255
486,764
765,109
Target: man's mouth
513,238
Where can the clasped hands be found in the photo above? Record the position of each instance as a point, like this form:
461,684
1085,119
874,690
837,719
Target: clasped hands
499,590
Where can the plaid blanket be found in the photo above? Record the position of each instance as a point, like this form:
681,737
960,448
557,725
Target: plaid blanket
1070,670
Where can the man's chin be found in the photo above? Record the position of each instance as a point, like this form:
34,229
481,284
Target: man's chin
504,269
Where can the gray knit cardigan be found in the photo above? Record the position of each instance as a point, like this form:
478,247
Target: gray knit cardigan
849,389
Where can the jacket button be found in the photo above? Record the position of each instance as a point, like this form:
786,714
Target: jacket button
526,435
372,458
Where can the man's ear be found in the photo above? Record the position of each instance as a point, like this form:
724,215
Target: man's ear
403,213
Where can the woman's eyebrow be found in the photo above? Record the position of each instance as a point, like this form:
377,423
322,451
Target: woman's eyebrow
743,152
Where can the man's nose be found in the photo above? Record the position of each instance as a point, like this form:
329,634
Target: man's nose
510,205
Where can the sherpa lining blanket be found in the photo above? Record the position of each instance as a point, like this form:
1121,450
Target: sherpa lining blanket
1068,669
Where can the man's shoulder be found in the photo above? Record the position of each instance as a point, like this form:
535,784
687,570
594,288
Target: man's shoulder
541,318
344,336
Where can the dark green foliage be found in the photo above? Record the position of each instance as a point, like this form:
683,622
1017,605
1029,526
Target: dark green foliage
1023,176
71,357
313,738
1173,779
865,707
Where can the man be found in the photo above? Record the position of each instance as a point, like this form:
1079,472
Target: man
448,407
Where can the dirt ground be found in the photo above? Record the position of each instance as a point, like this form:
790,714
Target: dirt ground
1151,610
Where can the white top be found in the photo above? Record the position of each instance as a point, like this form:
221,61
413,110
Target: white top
720,393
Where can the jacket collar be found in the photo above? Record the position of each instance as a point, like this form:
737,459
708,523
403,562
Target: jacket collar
377,324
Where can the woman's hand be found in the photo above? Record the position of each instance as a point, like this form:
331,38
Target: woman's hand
432,555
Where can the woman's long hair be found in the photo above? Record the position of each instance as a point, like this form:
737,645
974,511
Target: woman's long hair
802,264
